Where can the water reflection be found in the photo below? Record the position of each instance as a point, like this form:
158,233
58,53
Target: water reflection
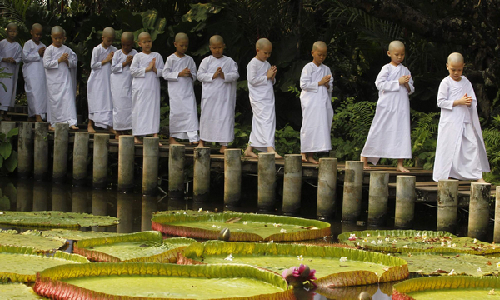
149,205
60,198
24,195
124,211
40,196
79,199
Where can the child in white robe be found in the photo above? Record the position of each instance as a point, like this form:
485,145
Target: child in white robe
316,100
121,84
460,151
146,70
180,73
390,132
57,61
219,74
261,78
10,57
35,83
73,71
100,103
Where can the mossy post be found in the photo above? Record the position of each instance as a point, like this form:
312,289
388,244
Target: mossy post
176,157
41,152
327,187
496,229
60,162
478,210
447,203
405,201
201,173
25,149
378,193
126,155
150,154
100,160
80,156
232,177
7,126
353,193
292,184
266,181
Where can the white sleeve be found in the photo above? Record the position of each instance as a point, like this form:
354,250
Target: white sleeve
116,64
159,66
232,74
95,63
383,84
442,97
30,53
203,75
50,62
252,77
135,70
306,83
167,73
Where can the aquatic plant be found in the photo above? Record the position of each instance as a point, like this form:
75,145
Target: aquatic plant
300,276
55,219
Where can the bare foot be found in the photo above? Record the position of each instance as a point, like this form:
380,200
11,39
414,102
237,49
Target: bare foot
160,144
304,157
51,128
73,127
200,144
402,169
38,118
137,141
90,129
173,141
276,155
222,149
249,154
117,134
480,180
312,160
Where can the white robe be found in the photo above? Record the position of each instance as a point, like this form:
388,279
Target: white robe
218,99
183,121
145,94
73,72
14,50
61,107
460,150
317,111
390,132
35,83
261,94
121,91
99,98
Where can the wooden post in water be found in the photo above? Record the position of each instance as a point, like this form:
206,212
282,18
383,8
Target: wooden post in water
150,165
496,229
327,187
126,155
292,184
377,198
59,197
40,196
353,193
201,174
232,177
125,212
24,194
100,160
7,126
60,162
447,203
99,206
79,199
405,201
80,156
176,157
266,181
41,152
478,210
149,205
25,149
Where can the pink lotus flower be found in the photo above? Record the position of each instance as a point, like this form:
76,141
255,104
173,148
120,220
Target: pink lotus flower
297,276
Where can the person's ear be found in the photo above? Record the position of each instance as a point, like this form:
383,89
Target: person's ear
389,53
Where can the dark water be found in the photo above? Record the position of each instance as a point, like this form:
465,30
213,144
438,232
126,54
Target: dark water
135,211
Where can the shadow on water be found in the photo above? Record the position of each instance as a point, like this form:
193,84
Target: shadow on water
135,211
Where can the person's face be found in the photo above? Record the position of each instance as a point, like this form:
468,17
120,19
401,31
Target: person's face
127,45
217,49
146,44
319,55
57,39
12,33
181,46
455,69
36,35
264,52
397,55
107,41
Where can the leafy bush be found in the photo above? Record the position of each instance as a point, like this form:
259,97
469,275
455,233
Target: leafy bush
492,141
8,157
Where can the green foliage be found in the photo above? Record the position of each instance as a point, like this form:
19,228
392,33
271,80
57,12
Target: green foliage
4,75
287,140
491,138
8,157
424,139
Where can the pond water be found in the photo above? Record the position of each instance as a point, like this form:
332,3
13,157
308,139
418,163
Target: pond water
135,210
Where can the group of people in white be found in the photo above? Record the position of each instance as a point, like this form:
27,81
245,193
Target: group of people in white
123,93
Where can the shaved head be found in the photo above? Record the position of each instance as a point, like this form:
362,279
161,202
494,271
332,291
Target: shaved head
319,45
216,39
181,36
263,42
108,32
395,45
128,36
36,26
143,35
12,26
455,57
57,30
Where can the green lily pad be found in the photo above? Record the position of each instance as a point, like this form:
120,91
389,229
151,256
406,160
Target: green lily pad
55,219
29,240
18,291
76,235
243,226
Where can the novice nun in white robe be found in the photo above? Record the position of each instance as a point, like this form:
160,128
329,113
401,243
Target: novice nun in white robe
14,50
218,99
35,83
121,89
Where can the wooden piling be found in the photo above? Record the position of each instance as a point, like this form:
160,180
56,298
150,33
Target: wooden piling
25,149
149,205
447,203
176,157
80,157
100,161
60,161
201,174
353,193
7,126
41,151
126,155
405,201
479,210
292,184
327,188
266,182
232,177
496,229
377,198
125,212
150,165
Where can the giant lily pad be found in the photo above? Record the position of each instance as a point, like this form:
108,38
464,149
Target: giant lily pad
12,238
334,266
20,264
18,291
55,219
454,287
243,226
75,235
161,281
